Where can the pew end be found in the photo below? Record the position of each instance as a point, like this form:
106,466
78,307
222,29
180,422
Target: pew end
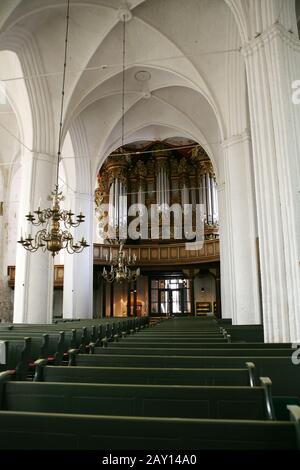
266,383
294,411
251,370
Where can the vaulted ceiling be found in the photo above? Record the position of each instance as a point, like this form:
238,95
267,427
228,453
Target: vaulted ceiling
177,81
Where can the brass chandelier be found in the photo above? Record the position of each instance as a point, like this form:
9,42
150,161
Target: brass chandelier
56,222
120,268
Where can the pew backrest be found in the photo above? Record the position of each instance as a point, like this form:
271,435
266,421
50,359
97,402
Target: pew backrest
181,401
21,430
17,354
223,352
155,376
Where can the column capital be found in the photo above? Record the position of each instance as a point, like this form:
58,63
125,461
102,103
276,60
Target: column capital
44,157
237,139
221,187
83,196
276,30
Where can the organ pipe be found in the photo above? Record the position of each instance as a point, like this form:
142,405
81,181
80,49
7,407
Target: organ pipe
181,172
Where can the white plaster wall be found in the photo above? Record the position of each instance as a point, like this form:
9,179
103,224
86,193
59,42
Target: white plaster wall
12,213
207,282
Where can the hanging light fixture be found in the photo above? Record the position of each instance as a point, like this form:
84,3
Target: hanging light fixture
120,269
56,222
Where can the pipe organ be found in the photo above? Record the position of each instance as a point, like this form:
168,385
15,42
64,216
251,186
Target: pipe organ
163,176
208,192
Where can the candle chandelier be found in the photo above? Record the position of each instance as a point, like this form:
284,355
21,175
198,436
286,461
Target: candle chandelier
120,269
56,222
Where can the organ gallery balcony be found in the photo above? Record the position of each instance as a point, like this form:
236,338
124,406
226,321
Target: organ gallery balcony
147,255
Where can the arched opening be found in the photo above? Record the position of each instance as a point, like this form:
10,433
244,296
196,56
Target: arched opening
160,198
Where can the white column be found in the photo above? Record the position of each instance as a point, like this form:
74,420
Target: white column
34,271
78,267
5,291
3,195
273,63
239,263
227,279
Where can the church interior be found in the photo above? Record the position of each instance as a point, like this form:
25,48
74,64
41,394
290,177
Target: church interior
149,224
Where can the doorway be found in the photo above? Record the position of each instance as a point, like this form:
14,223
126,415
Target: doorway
170,296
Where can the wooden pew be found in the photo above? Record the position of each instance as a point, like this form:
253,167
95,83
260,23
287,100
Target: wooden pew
185,343
47,431
87,332
284,374
17,353
164,332
251,333
61,340
38,344
181,401
53,345
79,337
226,351
160,332
174,339
74,338
157,376
91,331
203,344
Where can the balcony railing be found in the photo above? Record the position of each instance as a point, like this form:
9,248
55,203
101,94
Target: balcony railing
165,254
147,255
58,275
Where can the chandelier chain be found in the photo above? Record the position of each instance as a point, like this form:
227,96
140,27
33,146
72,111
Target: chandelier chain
63,92
120,266
123,80
55,222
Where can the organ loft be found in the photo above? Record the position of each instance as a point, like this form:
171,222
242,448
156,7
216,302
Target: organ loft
163,176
